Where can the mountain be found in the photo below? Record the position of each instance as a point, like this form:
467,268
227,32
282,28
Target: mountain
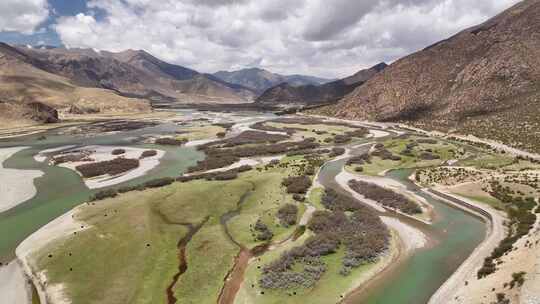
30,94
260,80
138,74
483,81
287,94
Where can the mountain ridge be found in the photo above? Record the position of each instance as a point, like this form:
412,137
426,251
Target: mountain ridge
136,73
484,80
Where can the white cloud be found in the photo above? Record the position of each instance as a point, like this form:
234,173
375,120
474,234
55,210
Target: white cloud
22,15
329,38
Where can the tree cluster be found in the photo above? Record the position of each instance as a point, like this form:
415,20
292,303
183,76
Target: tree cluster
111,167
386,197
362,233
169,141
221,157
297,184
287,215
148,153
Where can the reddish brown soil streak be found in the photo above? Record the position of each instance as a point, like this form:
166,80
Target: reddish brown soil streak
182,268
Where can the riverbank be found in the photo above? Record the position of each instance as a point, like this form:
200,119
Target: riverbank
16,186
59,228
105,153
464,286
14,289
344,177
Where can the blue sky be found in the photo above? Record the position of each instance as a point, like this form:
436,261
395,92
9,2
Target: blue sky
45,34
318,37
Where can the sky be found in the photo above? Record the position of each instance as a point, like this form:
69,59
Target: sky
328,38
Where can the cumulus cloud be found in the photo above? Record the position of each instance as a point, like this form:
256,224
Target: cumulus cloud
328,38
22,15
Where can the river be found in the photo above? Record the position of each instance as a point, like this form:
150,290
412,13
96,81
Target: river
454,233
453,236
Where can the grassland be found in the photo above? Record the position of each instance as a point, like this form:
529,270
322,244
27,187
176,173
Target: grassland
110,262
322,133
315,198
331,288
129,254
474,191
200,132
488,161
446,151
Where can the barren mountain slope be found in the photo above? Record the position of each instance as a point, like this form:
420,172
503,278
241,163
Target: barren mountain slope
135,73
23,87
484,80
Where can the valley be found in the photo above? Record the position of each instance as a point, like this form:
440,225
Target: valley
233,152
242,193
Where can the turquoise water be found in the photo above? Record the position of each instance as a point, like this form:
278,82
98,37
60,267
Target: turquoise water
455,235
60,189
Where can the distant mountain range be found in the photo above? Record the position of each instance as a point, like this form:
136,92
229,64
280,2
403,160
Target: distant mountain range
484,81
136,73
85,80
260,80
288,95
82,80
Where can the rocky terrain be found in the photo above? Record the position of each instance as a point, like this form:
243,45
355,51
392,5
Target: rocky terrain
286,93
483,81
260,80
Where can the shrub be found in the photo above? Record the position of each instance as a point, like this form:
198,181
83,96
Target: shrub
287,215
310,170
342,139
430,141
131,188
118,152
363,234
249,137
72,157
111,167
264,233
428,156
298,197
297,184
337,151
518,278
221,157
160,182
108,193
359,159
168,141
226,176
148,153
386,197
